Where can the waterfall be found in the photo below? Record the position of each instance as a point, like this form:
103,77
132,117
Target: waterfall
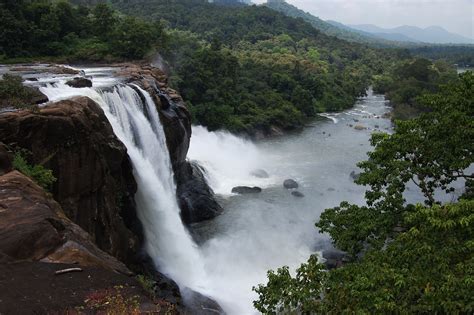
135,121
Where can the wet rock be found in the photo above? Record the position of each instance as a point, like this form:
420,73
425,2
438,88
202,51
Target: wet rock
198,304
290,184
297,194
359,127
195,197
377,126
244,190
259,173
38,97
331,189
79,83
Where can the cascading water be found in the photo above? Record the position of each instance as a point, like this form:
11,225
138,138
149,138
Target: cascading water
136,123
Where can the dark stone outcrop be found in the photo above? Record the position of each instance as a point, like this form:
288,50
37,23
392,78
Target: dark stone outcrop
79,82
297,194
195,197
95,185
290,184
198,304
243,190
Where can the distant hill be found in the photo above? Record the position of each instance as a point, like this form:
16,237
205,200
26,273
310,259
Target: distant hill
432,34
329,28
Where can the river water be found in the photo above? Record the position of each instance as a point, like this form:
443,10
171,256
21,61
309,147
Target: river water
274,228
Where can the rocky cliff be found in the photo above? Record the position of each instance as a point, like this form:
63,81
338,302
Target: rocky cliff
92,210
39,244
95,184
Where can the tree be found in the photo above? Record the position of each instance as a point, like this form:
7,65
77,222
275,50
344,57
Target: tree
405,258
430,151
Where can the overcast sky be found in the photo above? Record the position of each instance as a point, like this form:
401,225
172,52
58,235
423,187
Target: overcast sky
454,15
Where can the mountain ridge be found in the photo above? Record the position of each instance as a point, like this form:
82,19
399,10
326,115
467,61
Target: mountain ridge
432,34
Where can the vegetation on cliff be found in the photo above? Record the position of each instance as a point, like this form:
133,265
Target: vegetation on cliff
404,257
14,94
42,176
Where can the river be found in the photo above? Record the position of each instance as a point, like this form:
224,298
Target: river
274,228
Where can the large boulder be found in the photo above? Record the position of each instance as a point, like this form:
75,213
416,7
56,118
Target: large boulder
297,194
79,82
244,190
195,197
290,184
95,184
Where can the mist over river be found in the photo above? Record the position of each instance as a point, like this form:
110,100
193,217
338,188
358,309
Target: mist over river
268,230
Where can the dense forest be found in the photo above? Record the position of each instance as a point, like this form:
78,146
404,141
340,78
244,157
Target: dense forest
404,83
35,29
401,258
248,68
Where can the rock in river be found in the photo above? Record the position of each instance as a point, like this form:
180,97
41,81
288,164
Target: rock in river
243,190
297,194
290,184
79,82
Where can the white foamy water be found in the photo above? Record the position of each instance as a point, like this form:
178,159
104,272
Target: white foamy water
229,160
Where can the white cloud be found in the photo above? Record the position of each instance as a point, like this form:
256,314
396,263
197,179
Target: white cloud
454,15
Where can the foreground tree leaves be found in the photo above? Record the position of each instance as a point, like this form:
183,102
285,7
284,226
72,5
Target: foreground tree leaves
406,258
430,152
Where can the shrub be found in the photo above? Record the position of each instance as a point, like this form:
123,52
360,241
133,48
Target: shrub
38,173
14,94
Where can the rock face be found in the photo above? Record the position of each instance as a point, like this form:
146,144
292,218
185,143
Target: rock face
79,82
36,240
33,227
95,185
290,184
194,195
243,190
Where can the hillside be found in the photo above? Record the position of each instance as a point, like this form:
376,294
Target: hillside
330,28
432,34
252,69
